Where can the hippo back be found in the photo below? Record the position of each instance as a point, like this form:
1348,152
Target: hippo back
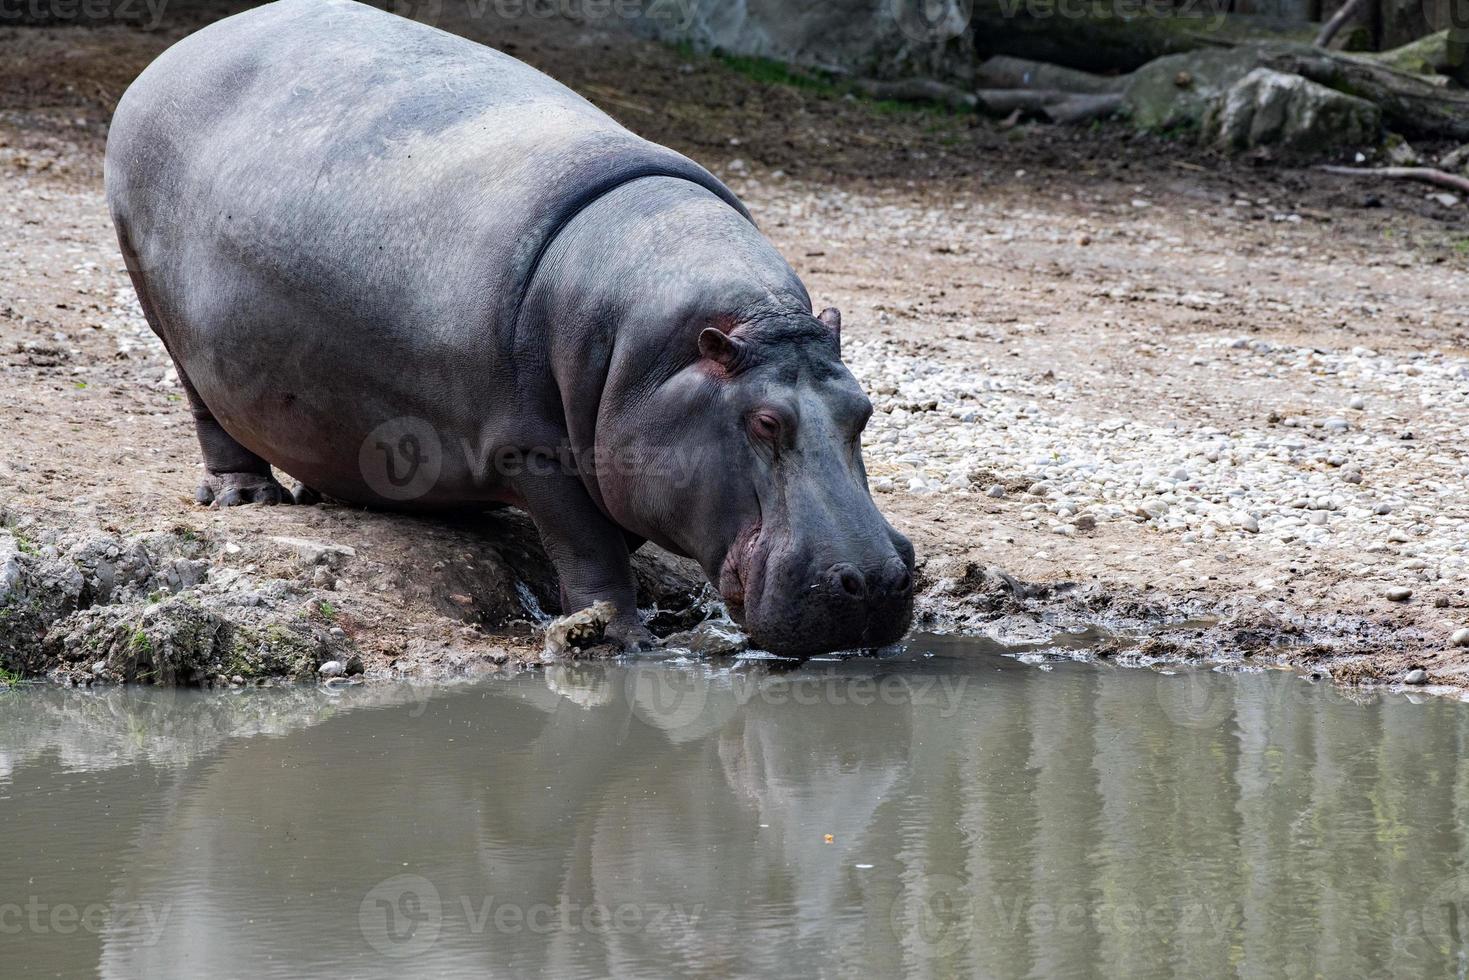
347,189
331,124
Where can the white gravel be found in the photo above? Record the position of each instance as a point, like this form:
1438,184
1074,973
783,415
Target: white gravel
1356,484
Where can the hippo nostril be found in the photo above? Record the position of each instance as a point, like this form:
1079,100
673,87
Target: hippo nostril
846,580
897,578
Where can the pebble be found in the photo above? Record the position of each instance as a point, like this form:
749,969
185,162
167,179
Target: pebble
1399,593
1460,637
996,490
1416,676
332,668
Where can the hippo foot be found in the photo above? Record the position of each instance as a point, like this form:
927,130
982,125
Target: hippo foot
233,489
631,637
304,495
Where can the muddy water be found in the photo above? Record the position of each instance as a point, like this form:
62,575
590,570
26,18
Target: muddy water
986,817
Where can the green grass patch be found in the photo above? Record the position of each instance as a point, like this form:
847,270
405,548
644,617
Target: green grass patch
8,678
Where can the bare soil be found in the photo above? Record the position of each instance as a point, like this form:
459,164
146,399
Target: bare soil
1093,244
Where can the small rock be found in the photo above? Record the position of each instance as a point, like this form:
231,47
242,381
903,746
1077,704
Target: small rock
1153,509
355,666
712,639
1085,522
1399,593
996,490
1416,676
1357,404
1400,152
332,668
1460,637
316,552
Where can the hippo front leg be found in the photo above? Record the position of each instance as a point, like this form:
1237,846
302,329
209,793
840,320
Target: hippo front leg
590,553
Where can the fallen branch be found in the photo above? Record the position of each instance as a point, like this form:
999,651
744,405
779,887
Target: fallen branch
1003,72
918,90
1338,20
1428,175
1084,108
1058,107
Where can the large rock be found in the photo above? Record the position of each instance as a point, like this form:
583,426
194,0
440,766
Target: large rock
882,38
1177,91
946,39
1292,114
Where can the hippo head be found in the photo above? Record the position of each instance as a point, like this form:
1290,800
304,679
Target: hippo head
761,480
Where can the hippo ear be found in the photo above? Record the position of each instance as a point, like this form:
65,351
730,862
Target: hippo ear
719,347
832,317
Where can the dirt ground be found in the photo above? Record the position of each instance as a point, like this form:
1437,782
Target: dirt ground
1091,276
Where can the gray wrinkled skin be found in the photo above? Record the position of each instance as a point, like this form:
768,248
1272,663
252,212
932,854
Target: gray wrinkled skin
411,271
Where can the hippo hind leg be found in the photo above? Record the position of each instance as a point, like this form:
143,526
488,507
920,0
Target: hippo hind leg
233,474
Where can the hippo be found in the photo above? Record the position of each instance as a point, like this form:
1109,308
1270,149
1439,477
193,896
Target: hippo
410,271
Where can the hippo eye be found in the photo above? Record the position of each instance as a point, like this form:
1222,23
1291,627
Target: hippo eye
765,426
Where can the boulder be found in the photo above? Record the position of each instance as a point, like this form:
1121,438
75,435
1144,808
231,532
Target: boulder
1177,91
1290,113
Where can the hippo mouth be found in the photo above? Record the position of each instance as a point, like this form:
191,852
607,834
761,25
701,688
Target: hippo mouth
742,572
817,621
